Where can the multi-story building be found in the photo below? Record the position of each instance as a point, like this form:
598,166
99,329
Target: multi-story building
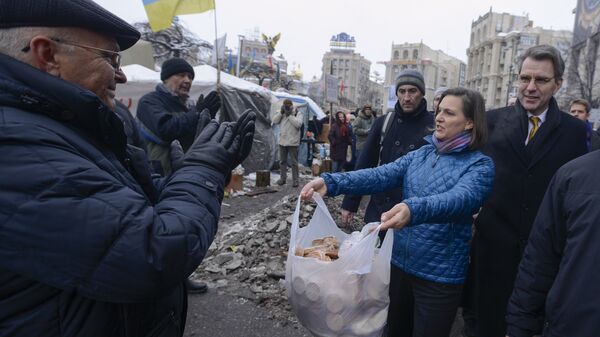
351,69
439,69
497,42
257,51
583,66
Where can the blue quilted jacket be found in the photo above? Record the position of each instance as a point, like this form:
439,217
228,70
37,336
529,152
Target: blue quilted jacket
442,192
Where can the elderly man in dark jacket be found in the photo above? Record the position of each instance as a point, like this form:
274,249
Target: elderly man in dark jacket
404,132
528,143
555,293
90,243
168,113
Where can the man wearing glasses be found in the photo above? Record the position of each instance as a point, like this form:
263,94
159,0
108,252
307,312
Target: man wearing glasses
89,246
528,143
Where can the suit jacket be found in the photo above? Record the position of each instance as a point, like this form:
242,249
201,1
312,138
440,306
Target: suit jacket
522,176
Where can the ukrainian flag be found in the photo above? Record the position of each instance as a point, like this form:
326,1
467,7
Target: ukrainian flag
161,12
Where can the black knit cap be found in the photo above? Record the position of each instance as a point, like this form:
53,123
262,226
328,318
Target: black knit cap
175,66
67,13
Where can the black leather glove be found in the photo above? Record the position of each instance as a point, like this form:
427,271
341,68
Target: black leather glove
203,120
176,155
244,127
216,147
212,102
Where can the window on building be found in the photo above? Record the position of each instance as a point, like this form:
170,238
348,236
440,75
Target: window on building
396,55
415,54
405,54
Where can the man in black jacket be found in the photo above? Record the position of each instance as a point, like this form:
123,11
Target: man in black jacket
89,245
168,113
404,132
528,143
555,293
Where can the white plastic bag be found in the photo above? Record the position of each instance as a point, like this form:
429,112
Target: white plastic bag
346,297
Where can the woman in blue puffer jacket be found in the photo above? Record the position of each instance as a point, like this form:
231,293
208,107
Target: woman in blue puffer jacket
444,184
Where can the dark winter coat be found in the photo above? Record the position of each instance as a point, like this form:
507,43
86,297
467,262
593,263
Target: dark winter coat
163,118
84,250
442,191
522,176
339,143
593,138
130,124
557,287
405,133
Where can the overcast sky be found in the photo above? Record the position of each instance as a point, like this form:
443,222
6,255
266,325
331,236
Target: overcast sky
306,26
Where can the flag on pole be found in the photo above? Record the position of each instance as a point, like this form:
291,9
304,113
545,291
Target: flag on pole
161,12
342,88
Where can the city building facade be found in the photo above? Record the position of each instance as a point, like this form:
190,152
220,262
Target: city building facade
352,71
439,69
584,65
497,42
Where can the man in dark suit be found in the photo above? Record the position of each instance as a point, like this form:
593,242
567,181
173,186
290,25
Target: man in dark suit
528,143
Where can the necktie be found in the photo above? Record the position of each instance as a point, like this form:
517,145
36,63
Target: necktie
536,124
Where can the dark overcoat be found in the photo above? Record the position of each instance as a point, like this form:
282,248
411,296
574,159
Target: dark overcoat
522,176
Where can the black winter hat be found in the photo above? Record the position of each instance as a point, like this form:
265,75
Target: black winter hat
175,66
412,77
67,13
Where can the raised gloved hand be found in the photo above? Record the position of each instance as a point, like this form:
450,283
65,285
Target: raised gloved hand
176,154
203,120
212,102
244,127
216,147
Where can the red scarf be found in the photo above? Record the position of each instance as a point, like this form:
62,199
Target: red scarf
344,129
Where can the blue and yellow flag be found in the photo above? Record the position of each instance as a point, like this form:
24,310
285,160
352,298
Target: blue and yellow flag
161,12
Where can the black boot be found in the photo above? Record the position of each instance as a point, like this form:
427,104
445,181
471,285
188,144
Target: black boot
195,287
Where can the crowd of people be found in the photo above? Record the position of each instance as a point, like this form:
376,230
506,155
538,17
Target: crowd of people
103,216
513,274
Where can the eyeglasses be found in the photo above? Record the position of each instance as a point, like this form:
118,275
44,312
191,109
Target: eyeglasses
538,81
113,57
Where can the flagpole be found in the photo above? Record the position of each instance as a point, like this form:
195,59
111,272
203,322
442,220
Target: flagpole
217,49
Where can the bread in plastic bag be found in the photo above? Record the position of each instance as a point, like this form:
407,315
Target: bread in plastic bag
345,297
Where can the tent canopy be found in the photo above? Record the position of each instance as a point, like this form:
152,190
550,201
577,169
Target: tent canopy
312,106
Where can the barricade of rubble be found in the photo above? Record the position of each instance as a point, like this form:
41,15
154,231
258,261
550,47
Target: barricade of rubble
247,258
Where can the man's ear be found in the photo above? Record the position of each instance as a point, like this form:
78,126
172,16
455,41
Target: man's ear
43,55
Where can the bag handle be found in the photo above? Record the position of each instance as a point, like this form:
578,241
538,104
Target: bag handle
295,227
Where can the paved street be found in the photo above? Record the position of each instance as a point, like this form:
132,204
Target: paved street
214,315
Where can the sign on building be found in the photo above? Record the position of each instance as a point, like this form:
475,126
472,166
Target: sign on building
331,85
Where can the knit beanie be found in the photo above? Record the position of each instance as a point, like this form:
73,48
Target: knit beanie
412,77
175,66
439,91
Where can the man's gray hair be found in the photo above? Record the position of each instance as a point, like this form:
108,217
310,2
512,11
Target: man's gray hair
12,40
546,52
